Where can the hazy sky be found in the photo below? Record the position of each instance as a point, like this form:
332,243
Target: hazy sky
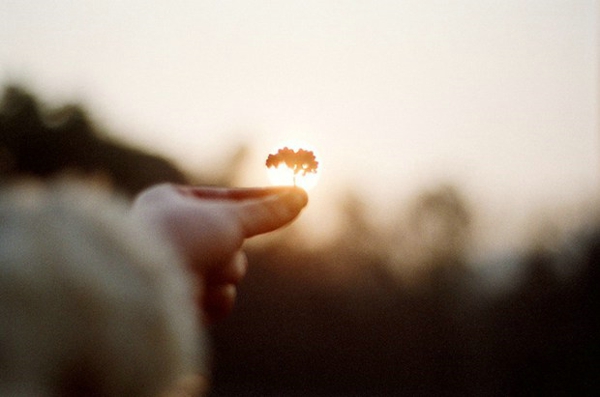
499,96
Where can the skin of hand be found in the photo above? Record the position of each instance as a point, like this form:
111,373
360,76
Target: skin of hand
209,226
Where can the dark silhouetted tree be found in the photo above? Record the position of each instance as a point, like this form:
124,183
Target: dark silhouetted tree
41,143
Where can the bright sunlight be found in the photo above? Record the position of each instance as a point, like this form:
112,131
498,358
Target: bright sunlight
281,174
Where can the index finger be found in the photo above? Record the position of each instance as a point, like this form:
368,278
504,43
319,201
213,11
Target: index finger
234,194
270,212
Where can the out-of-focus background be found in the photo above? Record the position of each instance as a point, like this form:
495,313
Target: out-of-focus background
450,245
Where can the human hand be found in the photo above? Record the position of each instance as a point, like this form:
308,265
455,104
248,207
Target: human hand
209,226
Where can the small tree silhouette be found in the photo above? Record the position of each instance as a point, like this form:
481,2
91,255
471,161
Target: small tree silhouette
301,161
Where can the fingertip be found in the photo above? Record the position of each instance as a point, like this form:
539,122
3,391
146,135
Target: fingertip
297,197
272,212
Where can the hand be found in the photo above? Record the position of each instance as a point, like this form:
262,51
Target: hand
209,226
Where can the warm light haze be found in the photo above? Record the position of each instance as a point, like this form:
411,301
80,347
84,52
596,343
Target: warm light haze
448,243
284,176
497,97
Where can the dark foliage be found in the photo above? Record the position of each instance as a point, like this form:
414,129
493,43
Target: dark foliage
42,144
328,324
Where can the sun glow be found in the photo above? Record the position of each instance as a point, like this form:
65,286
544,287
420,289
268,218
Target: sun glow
282,175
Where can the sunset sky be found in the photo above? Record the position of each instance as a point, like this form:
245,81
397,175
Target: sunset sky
499,97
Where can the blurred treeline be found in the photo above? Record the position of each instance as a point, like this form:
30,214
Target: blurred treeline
371,313
40,141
